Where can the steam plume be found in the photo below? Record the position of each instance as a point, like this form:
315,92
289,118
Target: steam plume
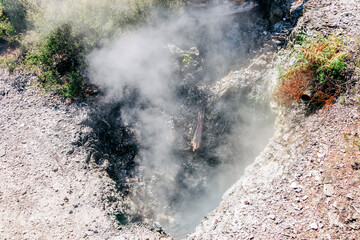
190,184
181,186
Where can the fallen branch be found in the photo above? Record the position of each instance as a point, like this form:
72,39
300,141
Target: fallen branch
196,142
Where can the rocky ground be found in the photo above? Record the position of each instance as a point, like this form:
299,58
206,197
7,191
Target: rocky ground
304,185
46,193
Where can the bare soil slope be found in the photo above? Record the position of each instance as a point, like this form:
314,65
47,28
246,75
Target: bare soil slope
305,184
45,192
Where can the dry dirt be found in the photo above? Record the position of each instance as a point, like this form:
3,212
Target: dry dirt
48,190
45,192
305,184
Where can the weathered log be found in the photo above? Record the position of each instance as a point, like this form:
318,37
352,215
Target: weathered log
199,130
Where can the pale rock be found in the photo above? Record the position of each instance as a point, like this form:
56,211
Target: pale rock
2,152
314,226
328,190
272,217
296,187
350,196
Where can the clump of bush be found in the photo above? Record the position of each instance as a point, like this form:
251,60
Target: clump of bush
55,36
15,11
7,30
12,19
59,61
318,75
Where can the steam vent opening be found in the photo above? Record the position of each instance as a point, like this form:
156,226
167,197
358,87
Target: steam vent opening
182,116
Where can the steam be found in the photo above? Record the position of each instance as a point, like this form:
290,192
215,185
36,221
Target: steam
137,61
181,186
184,186
94,20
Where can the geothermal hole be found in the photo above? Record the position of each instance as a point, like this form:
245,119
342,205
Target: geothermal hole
160,82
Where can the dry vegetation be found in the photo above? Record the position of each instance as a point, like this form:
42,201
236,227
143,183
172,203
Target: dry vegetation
319,74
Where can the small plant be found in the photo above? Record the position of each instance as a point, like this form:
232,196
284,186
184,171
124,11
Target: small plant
301,38
8,62
281,71
318,75
353,143
341,99
186,58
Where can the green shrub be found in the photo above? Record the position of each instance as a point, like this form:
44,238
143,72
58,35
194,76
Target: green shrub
319,74
60,33
62,52
15,11
12,19
7,30
59,61
74,85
